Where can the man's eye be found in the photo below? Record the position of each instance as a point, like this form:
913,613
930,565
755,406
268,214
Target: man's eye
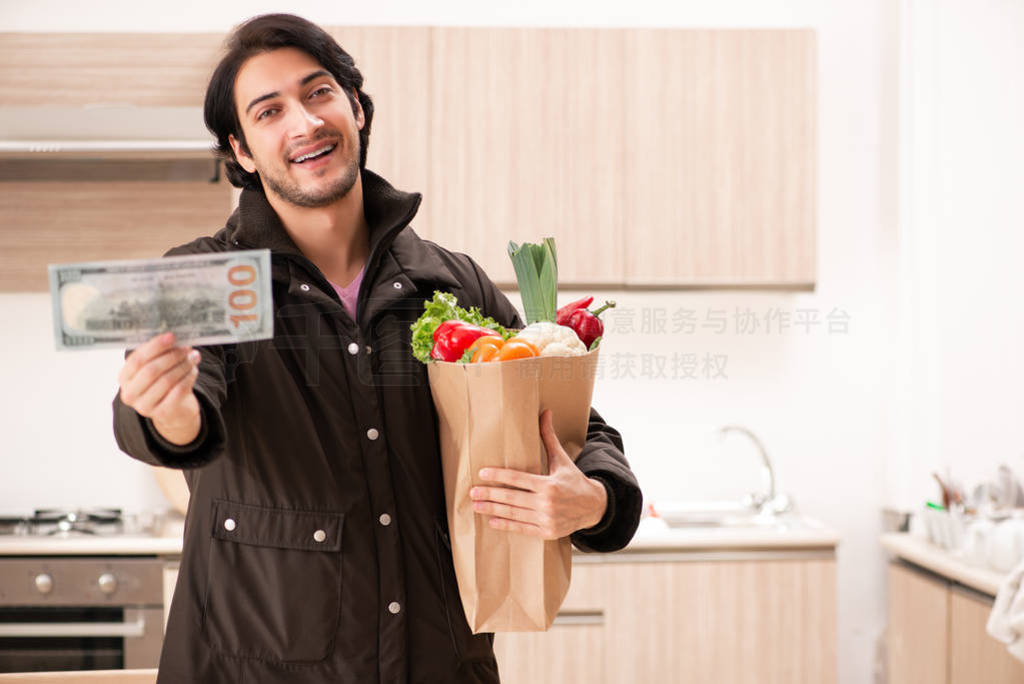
265,113
319,91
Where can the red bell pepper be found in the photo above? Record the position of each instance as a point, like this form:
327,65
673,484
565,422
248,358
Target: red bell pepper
452,339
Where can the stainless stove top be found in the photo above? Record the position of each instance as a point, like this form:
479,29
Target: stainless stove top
64,522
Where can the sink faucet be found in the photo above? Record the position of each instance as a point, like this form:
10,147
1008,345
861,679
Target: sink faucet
757,499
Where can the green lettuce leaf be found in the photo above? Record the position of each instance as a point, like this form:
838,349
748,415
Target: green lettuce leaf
444,307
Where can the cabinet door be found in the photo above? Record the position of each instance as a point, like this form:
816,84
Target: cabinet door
574,647
918,628
756,622
395,64
54,222
140,69
974,655
720,157
527,142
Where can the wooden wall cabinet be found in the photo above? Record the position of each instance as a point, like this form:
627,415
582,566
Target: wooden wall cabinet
937,634
656,157
527,135
719,184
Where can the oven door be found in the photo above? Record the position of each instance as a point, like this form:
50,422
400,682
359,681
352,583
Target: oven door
48,638
61,614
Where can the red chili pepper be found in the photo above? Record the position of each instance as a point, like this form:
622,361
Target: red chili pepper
587,325
453,340
562,316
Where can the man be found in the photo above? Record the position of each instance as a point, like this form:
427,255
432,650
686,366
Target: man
316,546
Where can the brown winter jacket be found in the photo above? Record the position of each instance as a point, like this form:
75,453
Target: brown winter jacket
320,447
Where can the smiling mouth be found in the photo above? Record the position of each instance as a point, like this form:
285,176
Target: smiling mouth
316,154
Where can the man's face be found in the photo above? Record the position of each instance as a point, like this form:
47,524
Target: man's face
299,126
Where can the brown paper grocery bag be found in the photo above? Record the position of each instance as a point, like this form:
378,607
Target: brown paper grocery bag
489,415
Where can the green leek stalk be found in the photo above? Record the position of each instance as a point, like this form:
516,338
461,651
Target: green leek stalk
537,274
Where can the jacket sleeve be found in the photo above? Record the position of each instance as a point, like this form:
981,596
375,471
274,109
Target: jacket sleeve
602,457
138,437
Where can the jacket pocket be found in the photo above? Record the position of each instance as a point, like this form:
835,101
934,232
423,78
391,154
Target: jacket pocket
468,647
273,588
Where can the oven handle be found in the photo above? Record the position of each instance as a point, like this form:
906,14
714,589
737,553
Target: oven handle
75,629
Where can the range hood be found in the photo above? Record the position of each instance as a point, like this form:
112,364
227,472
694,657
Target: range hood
100,132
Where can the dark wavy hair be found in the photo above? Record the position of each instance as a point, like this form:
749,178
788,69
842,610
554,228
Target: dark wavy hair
263,34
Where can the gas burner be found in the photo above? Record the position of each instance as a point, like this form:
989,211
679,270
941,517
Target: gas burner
62,522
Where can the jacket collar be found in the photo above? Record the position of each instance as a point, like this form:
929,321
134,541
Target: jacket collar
388,212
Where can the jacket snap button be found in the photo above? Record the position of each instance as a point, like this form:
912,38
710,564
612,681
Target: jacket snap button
369,349
394,607
353,348
385,519
372,433
304,287
229,525
398,286
319,536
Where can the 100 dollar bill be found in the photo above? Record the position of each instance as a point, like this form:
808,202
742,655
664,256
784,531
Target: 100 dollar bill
203,299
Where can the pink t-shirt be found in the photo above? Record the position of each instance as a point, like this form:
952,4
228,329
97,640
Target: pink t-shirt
350,294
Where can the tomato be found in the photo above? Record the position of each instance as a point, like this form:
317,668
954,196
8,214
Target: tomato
517,349
485,348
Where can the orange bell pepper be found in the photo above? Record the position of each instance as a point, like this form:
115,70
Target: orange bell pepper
517,349
485,348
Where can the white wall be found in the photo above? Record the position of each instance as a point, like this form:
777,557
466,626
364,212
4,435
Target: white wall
958,368
916,211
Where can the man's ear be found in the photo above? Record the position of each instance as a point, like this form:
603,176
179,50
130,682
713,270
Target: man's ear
357,110
243,158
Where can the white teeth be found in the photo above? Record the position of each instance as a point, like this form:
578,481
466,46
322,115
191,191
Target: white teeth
317,153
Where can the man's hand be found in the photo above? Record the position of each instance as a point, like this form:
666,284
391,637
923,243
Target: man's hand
549,506
156,380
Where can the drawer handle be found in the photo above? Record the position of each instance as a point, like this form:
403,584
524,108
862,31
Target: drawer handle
579,617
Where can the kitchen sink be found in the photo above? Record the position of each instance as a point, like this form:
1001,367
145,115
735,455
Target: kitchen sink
724,515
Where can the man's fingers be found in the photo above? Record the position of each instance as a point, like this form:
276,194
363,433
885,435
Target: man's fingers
508,512
513,526
547,434
177,394
138,384
143,354
513,478
155,393
514,497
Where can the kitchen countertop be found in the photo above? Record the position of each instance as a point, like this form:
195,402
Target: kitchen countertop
942,562
139,545
653,536
98,676
794,533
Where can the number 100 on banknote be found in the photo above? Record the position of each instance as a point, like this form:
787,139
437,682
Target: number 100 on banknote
218,298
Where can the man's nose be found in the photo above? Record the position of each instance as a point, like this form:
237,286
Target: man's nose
304,121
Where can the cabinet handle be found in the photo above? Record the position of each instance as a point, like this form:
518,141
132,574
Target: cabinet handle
579,617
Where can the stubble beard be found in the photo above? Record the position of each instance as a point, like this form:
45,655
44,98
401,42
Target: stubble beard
291,192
